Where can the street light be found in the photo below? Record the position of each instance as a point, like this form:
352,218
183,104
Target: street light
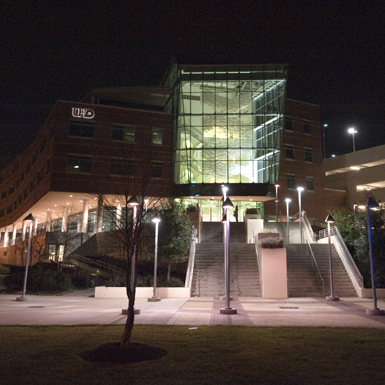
227,205
300,189
154,298
133,202
375,310
287,200
323,137
27,220
353,131
276,202
329,220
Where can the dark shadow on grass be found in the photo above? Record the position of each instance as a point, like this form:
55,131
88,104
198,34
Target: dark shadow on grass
112,353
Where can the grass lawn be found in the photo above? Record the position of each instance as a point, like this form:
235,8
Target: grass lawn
204,355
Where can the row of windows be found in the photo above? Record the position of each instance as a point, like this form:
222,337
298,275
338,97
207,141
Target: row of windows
119,132
118,167
306,126
291,182
27,190
308,154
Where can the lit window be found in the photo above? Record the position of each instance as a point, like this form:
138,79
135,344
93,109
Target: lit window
123,133
289,152
84,129
78,164
290,181
308,155
309,183
157,136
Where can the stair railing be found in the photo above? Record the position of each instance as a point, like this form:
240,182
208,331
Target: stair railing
191,258
314,261
344,254
308,230
95,264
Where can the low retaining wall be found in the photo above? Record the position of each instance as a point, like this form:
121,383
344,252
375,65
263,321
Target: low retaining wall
142,292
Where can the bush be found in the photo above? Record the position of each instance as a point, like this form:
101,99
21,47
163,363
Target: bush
271,243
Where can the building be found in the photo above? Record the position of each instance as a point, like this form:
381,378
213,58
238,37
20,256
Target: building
358,173
203,127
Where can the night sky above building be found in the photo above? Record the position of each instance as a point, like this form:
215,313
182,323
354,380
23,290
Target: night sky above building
60,50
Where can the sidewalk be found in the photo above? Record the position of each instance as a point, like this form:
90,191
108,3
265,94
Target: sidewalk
82,308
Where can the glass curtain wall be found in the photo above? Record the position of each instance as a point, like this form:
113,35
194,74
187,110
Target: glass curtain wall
229,124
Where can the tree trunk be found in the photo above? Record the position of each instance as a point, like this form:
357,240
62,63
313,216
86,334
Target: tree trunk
169,272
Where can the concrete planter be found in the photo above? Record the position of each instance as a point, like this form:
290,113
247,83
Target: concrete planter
142,292
273,273
254,226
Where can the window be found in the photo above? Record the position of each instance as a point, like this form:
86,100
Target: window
11,190
157,136
288,124
9,209
3,194
121,167
124,133
156,169
309,183
290,181
40,175
306,127
289,152
84,129
78,164
308,155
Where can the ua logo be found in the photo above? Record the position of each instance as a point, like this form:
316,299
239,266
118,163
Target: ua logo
85,113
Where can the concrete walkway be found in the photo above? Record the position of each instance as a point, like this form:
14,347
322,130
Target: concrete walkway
82,308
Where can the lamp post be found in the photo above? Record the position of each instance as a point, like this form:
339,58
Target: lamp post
133,202
27,220
276,202
154,298
329,220
300,189
323,139
353,131
287,200
375,310
227,205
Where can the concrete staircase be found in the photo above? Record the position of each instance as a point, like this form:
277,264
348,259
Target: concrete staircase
303,278
209,276
212,232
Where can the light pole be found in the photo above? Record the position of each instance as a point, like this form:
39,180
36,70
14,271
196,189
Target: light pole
353,131
211,209
27,220
154,298
375,310
300,189
287,200
323,138
329,220
227,205
276,202
133,202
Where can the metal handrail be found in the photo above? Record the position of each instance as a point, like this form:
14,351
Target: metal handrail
97,264
191,258
308,227
344,253
315,263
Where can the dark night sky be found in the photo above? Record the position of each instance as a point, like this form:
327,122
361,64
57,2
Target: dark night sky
62,49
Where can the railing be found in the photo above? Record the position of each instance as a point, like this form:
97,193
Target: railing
308,228
314,261
191,258
344,254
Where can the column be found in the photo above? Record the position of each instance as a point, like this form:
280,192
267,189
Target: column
118,215
99,215
85,216
6,237
24,231
64,220
48,227
13,233
35,226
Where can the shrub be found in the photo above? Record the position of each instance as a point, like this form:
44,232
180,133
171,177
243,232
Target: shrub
271,243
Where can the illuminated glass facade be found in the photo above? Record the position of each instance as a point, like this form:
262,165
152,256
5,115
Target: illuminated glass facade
229,123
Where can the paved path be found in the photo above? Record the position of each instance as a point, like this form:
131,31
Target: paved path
82,308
